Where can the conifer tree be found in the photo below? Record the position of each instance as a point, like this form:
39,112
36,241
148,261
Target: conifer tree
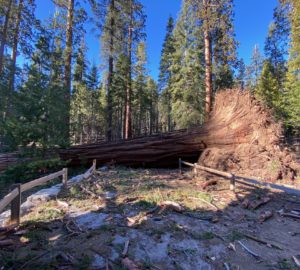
216,20
292,95
135,23
187,88
165,79
152,89
7,7
276,44
241,76
140,93
253,71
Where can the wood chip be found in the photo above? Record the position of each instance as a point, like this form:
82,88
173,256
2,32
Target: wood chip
245,203
62,204
232,246
209,183
265,215
206,202
257,203
171,205
131,265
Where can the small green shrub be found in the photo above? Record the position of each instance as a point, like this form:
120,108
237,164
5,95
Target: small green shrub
27,171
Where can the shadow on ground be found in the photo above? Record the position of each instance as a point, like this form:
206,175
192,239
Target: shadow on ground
88,227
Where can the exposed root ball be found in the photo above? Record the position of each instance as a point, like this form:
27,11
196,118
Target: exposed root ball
251,144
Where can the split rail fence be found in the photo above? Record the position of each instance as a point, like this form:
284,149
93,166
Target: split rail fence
239,179
15,196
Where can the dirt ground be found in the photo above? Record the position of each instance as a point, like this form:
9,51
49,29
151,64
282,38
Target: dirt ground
91,223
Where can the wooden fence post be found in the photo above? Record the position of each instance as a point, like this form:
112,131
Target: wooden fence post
179,166
65,177
15,207
94,165
232,183
195,171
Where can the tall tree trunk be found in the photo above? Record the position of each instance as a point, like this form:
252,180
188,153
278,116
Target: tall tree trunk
151,116
68,64
128,127
208,64
110,73
169,110
15,46
4,34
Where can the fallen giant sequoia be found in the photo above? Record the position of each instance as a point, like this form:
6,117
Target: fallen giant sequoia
241,136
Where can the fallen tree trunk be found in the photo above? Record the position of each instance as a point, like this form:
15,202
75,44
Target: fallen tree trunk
240,135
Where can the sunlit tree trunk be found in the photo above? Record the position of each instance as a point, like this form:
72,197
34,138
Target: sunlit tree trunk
68,63
4,34
128,127
208,64
110,73
15,46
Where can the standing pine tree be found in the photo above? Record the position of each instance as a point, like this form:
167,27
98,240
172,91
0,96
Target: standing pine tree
253,71
152,89
216,20
135,24
292,96
140,94
241,75
164,80
276,44
187,84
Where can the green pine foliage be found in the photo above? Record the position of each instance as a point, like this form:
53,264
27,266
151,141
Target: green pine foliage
38,112
165,76
187,72
292,96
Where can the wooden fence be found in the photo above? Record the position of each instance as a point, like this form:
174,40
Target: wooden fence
240,179
14,197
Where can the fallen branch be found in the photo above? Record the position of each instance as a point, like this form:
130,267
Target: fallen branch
94,195
125,250
261,241
209,183
6,242
33,259
226,266
290,215
249,250
297,260
8,229
208,203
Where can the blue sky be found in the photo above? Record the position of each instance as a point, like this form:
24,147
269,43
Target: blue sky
252,18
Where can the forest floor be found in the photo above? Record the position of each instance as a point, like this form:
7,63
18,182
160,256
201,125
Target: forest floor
116,220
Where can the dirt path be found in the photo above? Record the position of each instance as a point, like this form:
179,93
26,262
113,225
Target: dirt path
89,225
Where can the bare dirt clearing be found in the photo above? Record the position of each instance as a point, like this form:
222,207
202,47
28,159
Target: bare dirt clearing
127,219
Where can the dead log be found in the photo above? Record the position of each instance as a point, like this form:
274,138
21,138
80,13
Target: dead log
241,136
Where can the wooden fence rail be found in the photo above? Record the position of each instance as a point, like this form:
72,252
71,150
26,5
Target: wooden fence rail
14,197
210,170
241,179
